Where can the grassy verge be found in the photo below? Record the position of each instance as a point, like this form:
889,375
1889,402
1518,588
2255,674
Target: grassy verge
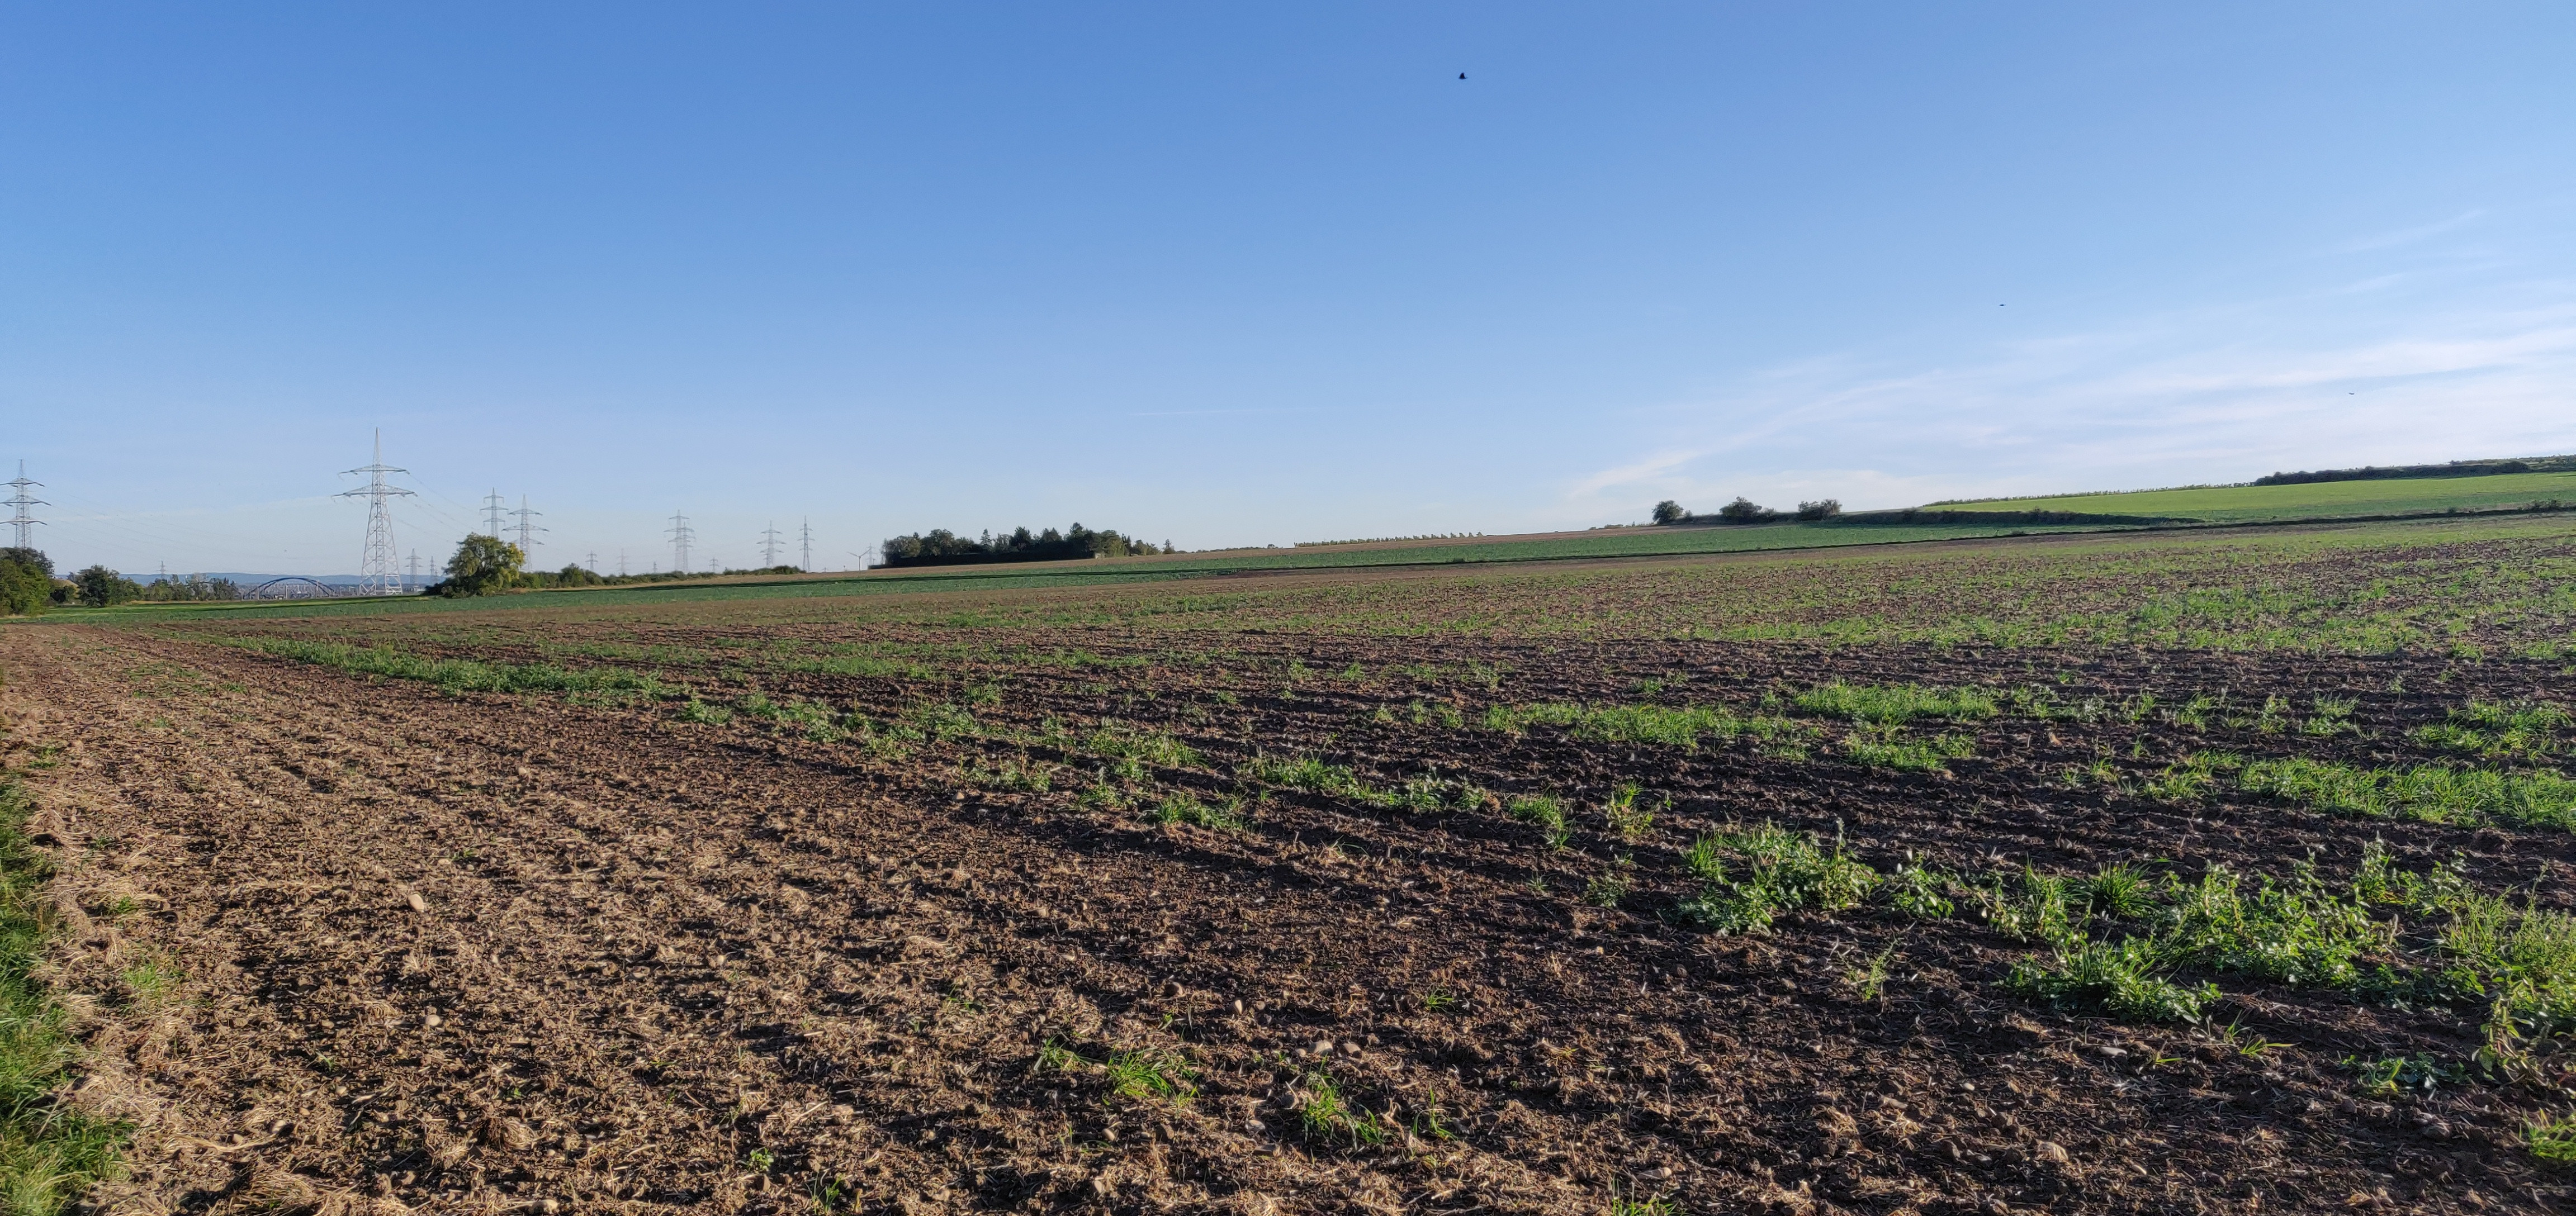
49,1151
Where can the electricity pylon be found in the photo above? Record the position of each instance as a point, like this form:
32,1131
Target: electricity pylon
527,544
19,502
377,572
769,544
492,513
681,535
806,530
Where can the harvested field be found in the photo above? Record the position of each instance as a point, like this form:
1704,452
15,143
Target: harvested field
1561,890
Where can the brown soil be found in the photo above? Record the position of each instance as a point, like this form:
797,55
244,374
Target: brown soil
468,953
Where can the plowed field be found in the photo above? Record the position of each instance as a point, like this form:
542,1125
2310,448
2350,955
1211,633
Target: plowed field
1013,912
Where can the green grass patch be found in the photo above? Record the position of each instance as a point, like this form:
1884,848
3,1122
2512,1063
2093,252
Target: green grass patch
1784,871
2298,931
2520,730
1422,795
1328,1115
1130,749
2124,979
1673,726
705,713
811,719
1010,774
943,720
2429,793
1185,807
50,1151
1931,755
461,675
1148,1075
1895,703
1312,775
2552,1138
1545,812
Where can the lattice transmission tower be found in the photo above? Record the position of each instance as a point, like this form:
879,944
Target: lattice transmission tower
805,530
681,535
493,510
527,542
379,569
770,544
19,502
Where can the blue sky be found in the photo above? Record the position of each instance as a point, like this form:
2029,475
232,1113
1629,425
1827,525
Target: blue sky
1228,275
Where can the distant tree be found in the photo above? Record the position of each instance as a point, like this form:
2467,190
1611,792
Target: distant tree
25,587
483,565
1822,508
100,587
1670,512
1746,511
29,557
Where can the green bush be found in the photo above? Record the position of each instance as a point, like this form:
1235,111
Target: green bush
24,589
100,587
483,565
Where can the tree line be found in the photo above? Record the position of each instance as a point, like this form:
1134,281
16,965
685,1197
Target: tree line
941,547
489,565
483,565
1746,511
28,586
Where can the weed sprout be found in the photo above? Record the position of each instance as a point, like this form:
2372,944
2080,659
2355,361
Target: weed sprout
2552,1138
1184,807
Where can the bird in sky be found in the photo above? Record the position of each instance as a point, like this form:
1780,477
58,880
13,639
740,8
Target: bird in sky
1462,75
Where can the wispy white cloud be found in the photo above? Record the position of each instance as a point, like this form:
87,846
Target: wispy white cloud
1649,471
2409,235
2215,394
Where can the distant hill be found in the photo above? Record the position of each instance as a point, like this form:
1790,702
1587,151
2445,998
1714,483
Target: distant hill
2328,495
